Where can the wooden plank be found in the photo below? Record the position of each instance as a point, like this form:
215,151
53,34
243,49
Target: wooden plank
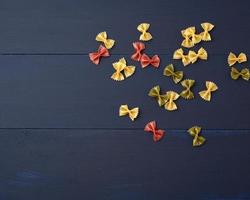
64,26
71,92
112,164
60,134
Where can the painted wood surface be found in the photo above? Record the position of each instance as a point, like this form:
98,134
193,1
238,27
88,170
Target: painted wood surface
70,92
62,26
123,164
60,134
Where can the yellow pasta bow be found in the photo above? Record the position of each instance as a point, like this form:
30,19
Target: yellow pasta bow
171,97
207,27
155,92
176,76
206,94
102,37
120,67
195,133
187,42
191,38
187,93
133,113
145,36
232,58
196,38
179,54
202,54
244,73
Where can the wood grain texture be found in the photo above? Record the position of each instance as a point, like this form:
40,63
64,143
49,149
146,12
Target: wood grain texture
60,134
70,26
71,92
90,164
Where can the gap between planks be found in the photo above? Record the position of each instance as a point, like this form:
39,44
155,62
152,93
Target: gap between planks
122,129
86,54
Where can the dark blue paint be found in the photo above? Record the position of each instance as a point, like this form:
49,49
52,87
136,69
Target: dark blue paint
90,164
70,27
53,145
69,92
27,179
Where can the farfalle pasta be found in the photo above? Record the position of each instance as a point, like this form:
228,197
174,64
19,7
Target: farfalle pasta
120,68
170,105
103,37
187,93
152,128
132,113
179,54
139,47
207,27
244,74
190,37
187,42
145,35
146,61
155,92
191,57
198,140
129,71
206,94
195,38
95,57
201,54
232,58
170,71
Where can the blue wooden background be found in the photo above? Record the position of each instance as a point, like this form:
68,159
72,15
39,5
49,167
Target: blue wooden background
60,134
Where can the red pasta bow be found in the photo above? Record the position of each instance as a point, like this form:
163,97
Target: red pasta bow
157,133
138,46
154,61
96,56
